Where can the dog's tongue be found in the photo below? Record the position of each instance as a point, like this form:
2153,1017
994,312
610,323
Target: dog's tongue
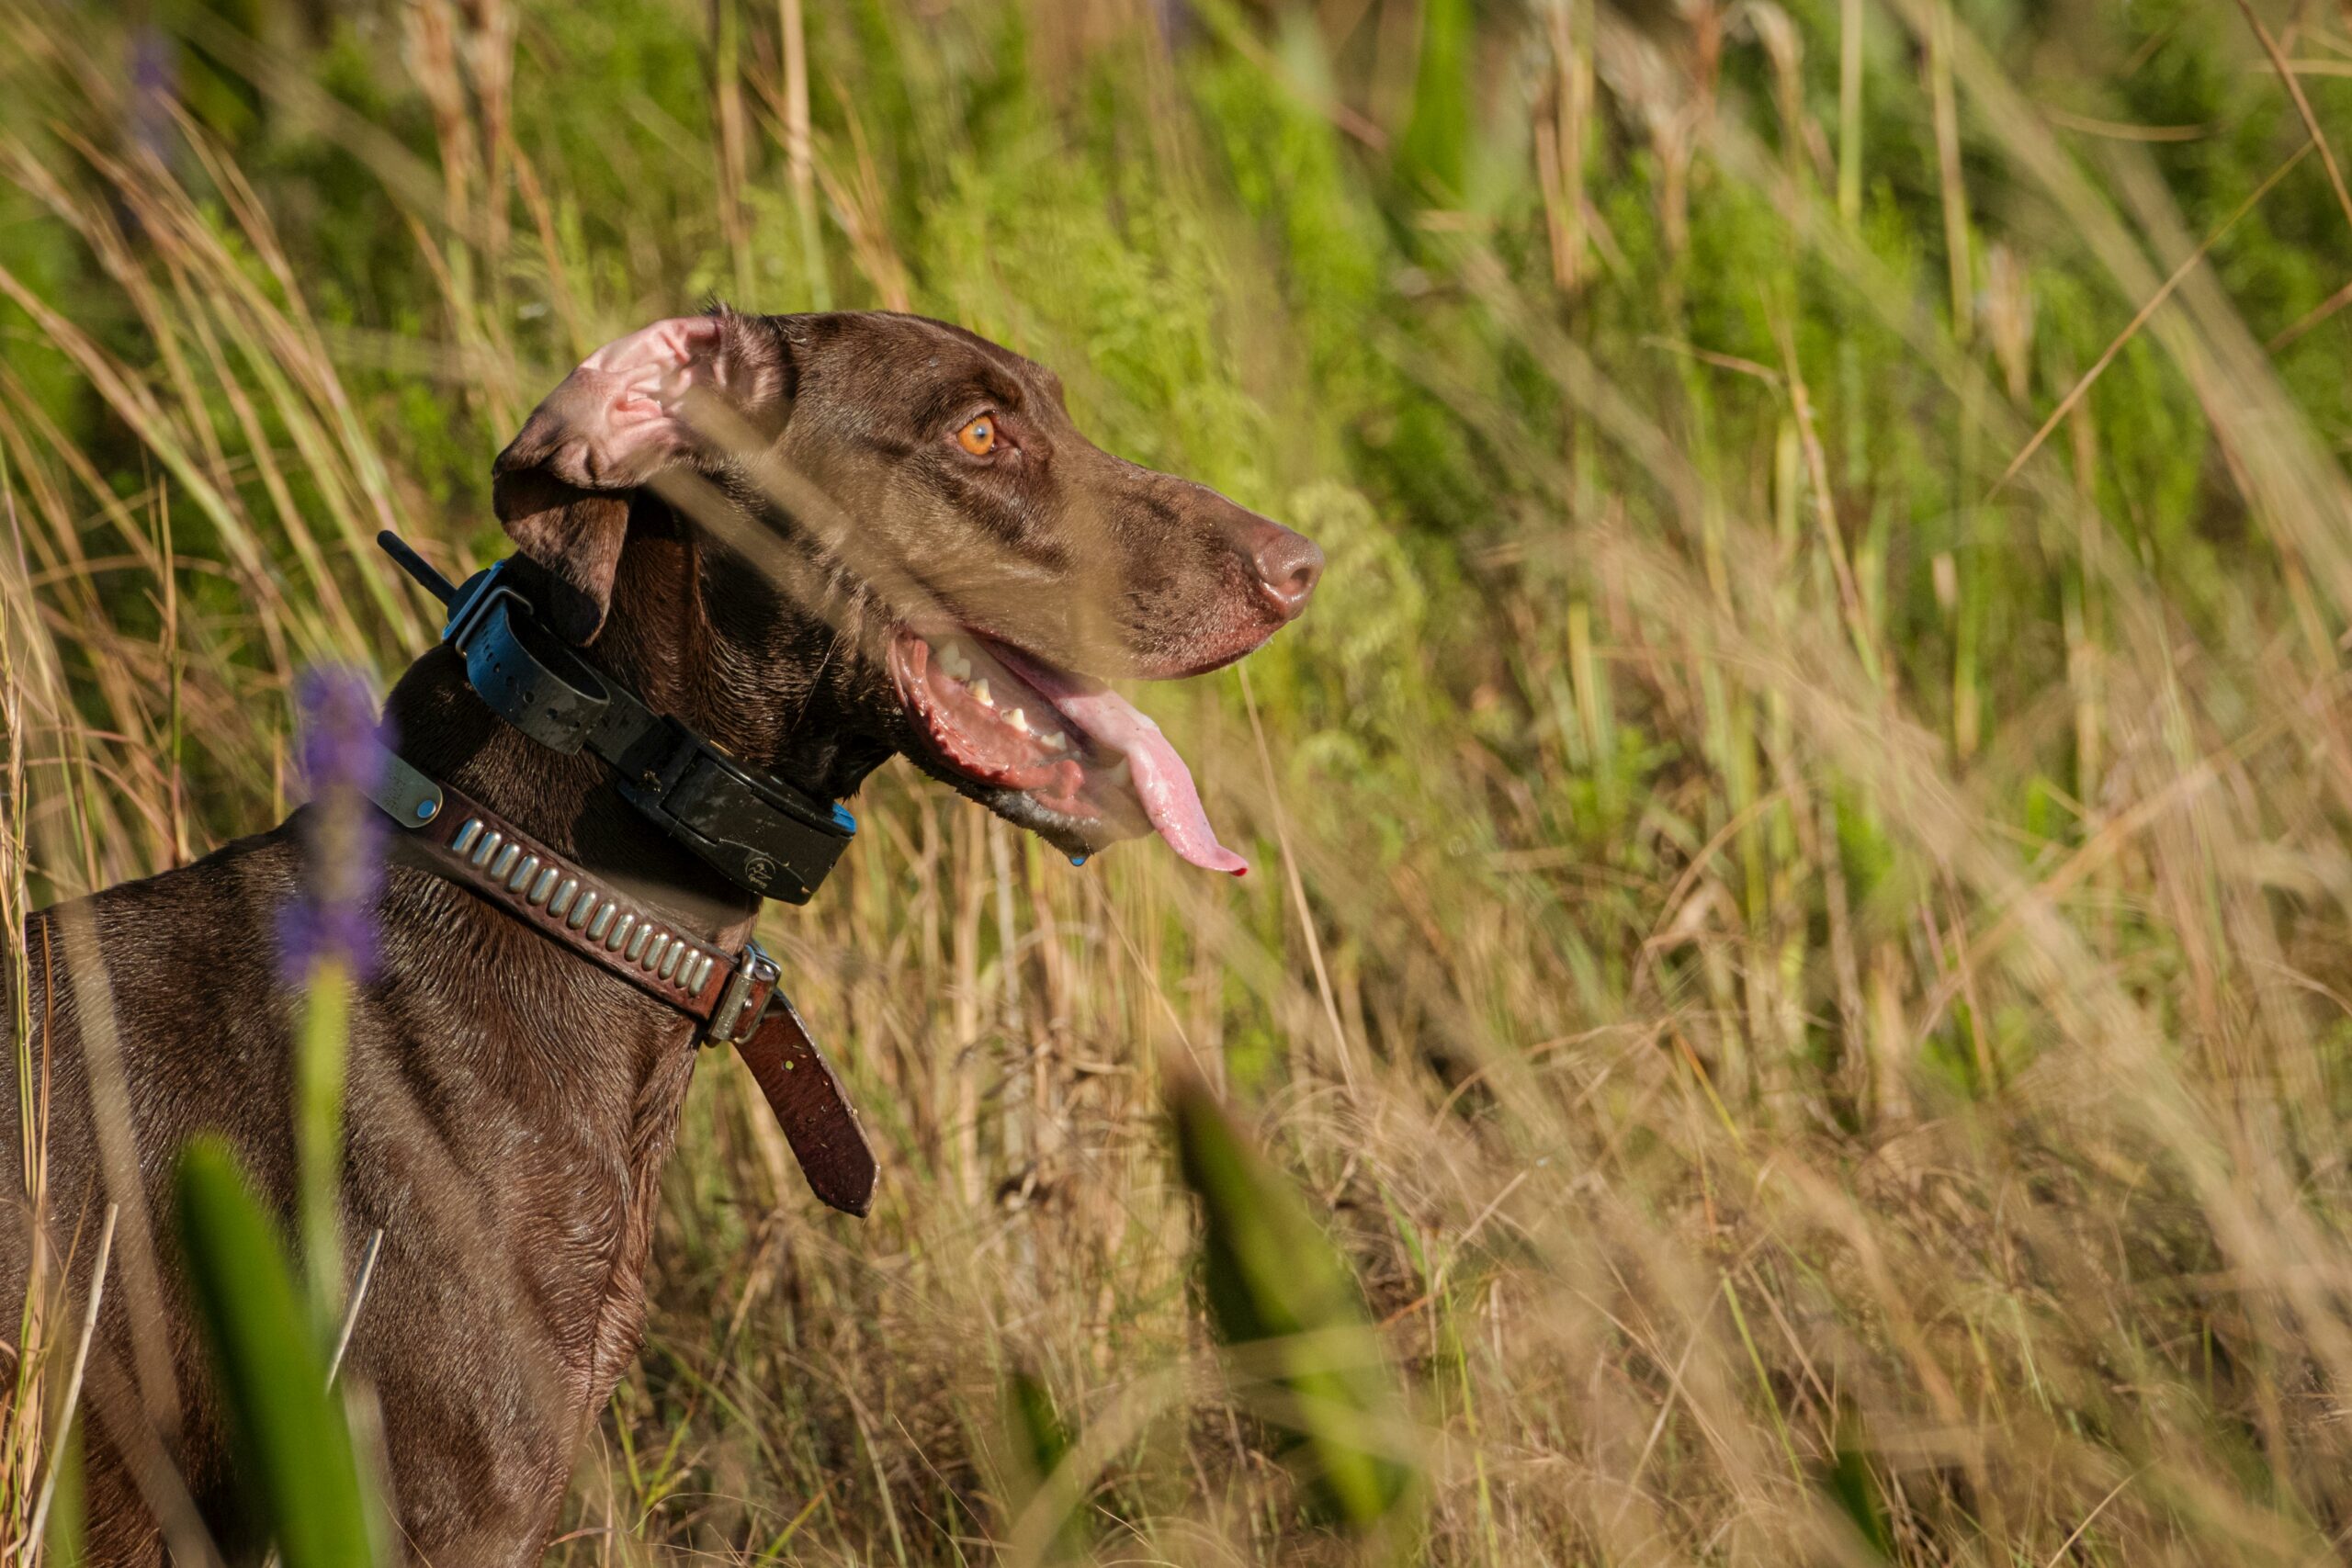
1162,782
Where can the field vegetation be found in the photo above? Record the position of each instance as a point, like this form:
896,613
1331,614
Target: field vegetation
1802,951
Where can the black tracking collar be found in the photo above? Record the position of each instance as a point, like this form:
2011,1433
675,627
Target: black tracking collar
760,833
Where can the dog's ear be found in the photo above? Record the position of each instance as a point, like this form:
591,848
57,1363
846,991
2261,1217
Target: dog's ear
679,392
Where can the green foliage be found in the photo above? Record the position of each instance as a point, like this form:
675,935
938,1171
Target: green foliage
1287,1310
68,1530
1854,1493
1721,834
1435,150
293,1447
1040,1443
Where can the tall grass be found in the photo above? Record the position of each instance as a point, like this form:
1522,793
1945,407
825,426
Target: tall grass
1802,959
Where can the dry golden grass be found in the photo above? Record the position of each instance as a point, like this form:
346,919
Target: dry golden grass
1804,962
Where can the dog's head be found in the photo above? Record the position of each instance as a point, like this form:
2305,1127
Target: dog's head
900,543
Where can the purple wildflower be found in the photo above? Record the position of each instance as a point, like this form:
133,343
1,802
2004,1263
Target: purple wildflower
333,919
155,86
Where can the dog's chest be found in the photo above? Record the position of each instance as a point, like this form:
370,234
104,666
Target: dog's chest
588,1222
560,1095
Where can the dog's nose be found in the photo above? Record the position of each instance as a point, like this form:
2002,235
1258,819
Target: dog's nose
1289,565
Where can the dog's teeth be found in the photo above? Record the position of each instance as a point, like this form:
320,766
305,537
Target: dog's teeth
1019,720
1117,771
981,689
1052,741
951,658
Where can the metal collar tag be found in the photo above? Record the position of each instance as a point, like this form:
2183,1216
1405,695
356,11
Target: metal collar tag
760,833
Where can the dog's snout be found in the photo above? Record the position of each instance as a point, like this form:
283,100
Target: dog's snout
1289,565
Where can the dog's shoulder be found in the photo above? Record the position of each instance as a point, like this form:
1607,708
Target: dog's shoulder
201,939
214,899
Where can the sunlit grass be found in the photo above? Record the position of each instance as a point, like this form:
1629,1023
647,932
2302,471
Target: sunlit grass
1807,971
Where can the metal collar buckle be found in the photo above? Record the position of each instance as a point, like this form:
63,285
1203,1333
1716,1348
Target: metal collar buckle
746,999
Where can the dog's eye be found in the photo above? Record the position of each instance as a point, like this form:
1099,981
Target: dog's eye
979,437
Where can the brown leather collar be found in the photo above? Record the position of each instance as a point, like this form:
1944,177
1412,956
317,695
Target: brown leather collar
734,998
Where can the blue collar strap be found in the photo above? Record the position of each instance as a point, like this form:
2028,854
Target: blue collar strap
760,833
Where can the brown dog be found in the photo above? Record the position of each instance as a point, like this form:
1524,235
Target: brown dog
819,540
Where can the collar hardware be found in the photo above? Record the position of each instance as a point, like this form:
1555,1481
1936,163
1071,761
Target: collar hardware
737,1000
741,1004
407,796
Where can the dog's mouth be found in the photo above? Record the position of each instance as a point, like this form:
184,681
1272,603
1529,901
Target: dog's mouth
1091,760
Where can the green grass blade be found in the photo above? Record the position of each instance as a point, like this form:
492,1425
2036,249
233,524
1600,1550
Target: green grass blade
1283,1301
294,1448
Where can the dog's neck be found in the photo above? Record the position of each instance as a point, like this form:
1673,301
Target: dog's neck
761,682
